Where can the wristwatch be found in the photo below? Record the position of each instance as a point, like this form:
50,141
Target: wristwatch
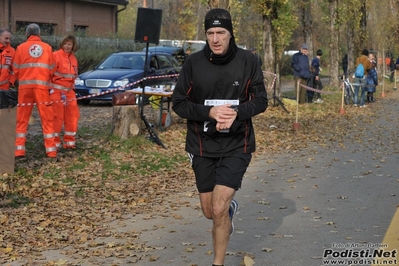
235,108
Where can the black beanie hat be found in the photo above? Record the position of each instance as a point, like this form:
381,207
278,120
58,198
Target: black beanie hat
218,17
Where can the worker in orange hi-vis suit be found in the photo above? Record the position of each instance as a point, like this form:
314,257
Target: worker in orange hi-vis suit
33,68
7,53
65,106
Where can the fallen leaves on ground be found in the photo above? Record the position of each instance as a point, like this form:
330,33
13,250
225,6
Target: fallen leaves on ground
72,204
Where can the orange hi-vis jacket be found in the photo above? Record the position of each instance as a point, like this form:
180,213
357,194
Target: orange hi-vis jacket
33,67
66,70
66,111
34,54
6,71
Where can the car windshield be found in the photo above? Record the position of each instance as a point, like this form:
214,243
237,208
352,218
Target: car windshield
123,61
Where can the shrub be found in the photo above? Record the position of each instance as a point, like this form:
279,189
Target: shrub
92,50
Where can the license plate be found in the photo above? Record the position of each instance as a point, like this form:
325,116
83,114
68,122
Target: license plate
95,91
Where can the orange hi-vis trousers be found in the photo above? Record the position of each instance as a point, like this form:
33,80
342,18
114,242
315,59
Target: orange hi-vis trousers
66,113
26,98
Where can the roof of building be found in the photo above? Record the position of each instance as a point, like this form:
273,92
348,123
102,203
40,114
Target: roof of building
109,2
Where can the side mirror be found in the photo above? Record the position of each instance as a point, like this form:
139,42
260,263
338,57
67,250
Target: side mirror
149,69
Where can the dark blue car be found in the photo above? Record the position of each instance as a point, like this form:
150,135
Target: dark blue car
176,52
121,71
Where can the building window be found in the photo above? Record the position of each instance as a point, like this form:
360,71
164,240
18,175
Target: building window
46,29
80,30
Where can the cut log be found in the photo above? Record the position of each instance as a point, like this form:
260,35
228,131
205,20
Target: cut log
126,121
8,121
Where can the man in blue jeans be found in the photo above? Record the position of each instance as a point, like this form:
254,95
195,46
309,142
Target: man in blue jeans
360,81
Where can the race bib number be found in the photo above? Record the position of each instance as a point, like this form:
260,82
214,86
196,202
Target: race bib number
216,102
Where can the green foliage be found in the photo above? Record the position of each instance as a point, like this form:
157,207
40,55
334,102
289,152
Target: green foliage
15,201
247,28
279,25
80,193
90,54
92,50
284,25
285,65
280,13
188,21
127,20
89,58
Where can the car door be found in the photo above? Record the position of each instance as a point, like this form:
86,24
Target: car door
163,65
152,71
168,66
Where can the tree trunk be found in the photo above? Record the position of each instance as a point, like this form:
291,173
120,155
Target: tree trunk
334,53
351,48
268,46
269,60
126,121
307,27
363,23
8,121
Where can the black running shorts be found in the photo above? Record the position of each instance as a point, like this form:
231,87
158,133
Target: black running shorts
226,171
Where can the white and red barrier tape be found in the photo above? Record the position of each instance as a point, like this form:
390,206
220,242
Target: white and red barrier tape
176,75
104,92
319,91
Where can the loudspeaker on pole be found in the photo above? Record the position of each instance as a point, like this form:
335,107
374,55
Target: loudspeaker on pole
148,25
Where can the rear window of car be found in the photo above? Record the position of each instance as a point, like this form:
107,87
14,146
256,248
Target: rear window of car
190,47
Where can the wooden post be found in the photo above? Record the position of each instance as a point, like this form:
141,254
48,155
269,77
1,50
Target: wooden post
383,75
126,121
297,125
342,109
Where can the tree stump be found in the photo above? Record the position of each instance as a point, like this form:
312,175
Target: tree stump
126,121
8,121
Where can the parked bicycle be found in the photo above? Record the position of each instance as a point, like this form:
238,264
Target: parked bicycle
349,91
